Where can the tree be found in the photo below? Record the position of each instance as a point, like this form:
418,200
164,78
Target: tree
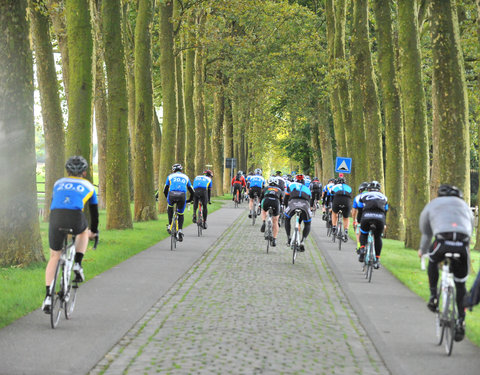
144,192
80,48
394,173
167,73
199,100
19,229
450,98
118,197
413,98
189,106
217,134
180,138
50,101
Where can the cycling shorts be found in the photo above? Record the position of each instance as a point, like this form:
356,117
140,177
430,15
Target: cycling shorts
342,202
301,204
255,190
271,202
179,198
459,245
63,218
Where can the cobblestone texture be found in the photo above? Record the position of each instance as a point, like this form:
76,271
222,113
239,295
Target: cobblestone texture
240,310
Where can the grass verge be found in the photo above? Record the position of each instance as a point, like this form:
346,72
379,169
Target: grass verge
22,288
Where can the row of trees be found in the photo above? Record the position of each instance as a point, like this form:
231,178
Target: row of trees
272,83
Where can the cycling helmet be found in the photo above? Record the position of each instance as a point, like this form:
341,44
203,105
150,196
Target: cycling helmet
300,178
75,165
258,171
278,173
208,173
289,177
240,173
340,180
177,168
363,186
273,181
331,180
315,179
374,185
449,191
250,173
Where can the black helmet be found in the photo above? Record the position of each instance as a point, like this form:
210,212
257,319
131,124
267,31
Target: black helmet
331,180
340,180
374,185
76,165
278,173
208,173
363,186
449,191
177,168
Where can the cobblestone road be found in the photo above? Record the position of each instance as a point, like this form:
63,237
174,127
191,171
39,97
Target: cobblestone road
240,310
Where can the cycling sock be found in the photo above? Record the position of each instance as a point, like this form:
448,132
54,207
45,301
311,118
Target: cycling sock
48,290
78,258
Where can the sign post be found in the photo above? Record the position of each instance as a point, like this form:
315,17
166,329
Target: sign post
230,163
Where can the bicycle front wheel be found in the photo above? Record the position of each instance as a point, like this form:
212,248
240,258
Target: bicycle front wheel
450,319
439,324
57,295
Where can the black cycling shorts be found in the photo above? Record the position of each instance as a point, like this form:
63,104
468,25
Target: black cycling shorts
460,245
255,190
342,202
301,204
62,218
272,202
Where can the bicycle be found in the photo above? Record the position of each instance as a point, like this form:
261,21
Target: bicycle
200,219
314,207
295,241
269,228
255,209
173,229
281,218
447,314
237,199
64,289
369,258
339,232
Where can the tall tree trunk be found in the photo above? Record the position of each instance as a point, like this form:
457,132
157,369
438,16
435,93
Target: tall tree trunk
100,103
393,121
371,111
451,97
57,13
315,142
477,241
19,229
413,96
167,74
199,98
80,49
50,101
217,138
119,215
227,142
189,107
144,190
157,152
325,139
180,138
334,96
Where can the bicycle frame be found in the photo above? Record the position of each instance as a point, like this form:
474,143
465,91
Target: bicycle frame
295,242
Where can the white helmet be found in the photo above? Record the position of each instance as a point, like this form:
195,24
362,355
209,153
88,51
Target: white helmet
273,181
258,171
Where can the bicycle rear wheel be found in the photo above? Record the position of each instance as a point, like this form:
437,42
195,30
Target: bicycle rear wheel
57,295
450,319
70,297
294,243
340,234
173,235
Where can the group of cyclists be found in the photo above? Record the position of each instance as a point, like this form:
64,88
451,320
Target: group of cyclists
447,219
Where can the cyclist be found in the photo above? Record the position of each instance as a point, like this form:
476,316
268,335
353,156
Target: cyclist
308,181
327,198
342,197
372,208
316,189
238,183
175,191
449,220
298,197
70,194
281,182
203,191
356,216
257,183
271,197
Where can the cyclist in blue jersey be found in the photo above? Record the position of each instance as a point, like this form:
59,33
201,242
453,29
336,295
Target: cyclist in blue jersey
298,197
356,214
70,195
203,190
342,197
373,209
175,191
327,197
257,183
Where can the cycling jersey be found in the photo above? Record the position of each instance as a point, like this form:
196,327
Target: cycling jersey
72,193
240,181
257,181
202,182
341,189
178,182
315,186
373,201
298,191
307,182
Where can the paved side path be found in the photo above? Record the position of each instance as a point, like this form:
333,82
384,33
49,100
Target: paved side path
240,310
107,307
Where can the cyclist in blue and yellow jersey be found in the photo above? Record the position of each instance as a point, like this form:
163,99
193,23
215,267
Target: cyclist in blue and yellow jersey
316,189
175,191
203,190
342,200
373,209
298,197
257,183
272,197
327,197
356,214
70,195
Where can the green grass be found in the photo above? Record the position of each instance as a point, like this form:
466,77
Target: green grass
404,264
22,288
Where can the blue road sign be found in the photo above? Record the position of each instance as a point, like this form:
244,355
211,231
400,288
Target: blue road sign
343,165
